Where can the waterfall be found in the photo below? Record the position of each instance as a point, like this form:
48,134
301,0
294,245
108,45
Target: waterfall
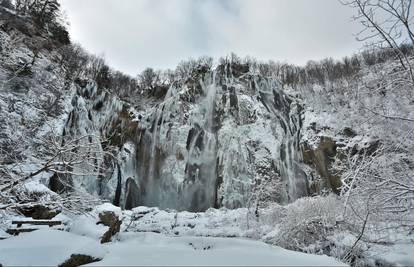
288,114
211,142
201,159
212,137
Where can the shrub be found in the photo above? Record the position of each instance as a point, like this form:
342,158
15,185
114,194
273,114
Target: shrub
308,222
60,34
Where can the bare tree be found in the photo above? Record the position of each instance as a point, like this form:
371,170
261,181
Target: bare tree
42,12
148,79
387,29
73,61
64,157
387,24
380,179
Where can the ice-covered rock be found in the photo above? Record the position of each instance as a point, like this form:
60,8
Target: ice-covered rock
216,140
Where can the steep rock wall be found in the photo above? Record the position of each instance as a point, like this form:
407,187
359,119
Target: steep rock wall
220,139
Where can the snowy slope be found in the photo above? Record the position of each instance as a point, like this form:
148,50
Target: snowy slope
49,247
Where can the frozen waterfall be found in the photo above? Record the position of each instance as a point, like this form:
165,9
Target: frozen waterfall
193,148
221,138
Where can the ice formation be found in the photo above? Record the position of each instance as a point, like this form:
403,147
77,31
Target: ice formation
217,139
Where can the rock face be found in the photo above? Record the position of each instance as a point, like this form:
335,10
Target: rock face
214,139
221,138
132,194
321,158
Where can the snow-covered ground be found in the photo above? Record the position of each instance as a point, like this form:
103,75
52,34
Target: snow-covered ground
221,237
37,104
51,247
46,248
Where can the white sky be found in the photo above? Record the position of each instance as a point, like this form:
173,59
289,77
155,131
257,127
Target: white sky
135,34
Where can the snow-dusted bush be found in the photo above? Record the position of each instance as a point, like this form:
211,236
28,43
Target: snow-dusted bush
308,222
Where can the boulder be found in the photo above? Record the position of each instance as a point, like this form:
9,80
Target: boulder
107,218
39,212
109,215
113,230
78,260
132,194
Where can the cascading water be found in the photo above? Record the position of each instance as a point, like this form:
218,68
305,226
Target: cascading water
188,183
216,139
184,175
289,116
201,159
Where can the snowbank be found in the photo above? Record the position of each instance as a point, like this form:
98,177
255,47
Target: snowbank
150,249
46,248
51,248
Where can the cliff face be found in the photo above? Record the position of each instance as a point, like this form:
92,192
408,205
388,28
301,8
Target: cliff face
221,138
216,138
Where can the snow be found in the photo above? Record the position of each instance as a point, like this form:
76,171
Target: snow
108,207
36,187
150,236
46,248
400,255
150,249
3,234
248,146
86,226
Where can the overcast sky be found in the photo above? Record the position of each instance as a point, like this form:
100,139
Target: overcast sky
134,34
